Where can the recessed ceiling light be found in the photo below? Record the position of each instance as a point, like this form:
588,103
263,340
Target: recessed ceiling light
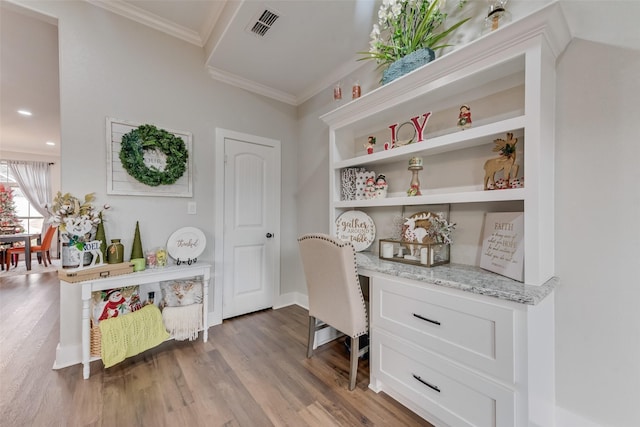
24,112
50,143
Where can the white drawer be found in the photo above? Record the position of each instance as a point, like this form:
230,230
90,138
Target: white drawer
436,389
473,332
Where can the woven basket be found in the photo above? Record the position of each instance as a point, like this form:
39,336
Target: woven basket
95,341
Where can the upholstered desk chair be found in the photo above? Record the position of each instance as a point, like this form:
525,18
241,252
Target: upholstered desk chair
42,249
335,297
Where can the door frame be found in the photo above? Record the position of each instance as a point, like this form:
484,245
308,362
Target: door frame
218,200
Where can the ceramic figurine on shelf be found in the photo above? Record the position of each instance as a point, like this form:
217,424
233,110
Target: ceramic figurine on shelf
464,118
370,189
370,143
381,186
506,163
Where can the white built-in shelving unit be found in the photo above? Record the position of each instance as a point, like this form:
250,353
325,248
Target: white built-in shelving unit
457,350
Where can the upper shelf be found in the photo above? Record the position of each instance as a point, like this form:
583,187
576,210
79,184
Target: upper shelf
449,142
489,58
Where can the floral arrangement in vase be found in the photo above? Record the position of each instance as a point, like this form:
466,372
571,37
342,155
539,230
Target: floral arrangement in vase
76,220
407,34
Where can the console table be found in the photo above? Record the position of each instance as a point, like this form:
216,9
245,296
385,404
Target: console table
139,278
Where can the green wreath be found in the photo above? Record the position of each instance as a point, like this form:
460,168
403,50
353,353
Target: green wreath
148,137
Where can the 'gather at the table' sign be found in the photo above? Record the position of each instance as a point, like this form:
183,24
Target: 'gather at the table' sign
356,227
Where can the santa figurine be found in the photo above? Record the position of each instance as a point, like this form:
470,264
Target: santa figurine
114,300
381,186
370,143
464,118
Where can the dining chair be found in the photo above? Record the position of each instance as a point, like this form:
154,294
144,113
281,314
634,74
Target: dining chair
335,296
12,255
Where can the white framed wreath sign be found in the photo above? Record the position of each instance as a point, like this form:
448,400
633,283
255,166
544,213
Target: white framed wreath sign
145,160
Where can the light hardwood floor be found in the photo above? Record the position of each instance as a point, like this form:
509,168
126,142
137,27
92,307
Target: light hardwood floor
252,372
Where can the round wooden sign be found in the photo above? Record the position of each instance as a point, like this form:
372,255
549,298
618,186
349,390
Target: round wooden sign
356,227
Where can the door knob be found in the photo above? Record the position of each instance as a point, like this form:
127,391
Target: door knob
269,235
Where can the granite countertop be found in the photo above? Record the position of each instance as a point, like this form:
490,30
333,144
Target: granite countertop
462,277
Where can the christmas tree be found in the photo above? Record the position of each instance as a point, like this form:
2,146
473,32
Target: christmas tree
136,248
9,222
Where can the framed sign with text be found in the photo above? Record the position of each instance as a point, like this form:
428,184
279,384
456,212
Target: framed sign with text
503,244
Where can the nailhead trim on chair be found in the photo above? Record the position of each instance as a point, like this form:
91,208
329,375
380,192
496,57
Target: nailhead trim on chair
342,244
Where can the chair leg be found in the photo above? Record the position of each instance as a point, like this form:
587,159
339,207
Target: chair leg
15,259
312,336
353,371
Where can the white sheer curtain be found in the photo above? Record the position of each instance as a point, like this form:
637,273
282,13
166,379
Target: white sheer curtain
34,181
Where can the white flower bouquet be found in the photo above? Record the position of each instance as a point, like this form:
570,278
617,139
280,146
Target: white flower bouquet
405,26
77,221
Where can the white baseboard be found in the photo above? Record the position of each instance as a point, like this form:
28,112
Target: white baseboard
290,299
215,318
67,356
566,418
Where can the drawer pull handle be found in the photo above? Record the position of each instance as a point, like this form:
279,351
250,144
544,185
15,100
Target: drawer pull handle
426,383
435,322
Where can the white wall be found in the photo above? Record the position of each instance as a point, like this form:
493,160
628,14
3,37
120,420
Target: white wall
113,67
598,234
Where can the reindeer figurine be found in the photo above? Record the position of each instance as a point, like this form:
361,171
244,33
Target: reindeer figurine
93,248
415,230
506,162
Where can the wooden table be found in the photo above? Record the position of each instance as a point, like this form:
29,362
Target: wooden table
26,238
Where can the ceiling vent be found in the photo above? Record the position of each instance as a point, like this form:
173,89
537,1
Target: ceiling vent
263,23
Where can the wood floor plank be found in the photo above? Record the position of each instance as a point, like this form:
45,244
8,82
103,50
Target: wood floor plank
253,371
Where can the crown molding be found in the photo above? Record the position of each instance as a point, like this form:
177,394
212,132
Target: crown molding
150,20
252,86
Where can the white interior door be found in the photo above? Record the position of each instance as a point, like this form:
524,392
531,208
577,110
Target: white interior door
251,225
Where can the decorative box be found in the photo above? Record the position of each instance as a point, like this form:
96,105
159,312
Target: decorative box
348,183
422,254
98,272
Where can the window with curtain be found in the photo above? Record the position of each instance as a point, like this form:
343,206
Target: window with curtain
31,219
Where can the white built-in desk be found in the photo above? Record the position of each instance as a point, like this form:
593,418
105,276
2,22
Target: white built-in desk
134,279
459,345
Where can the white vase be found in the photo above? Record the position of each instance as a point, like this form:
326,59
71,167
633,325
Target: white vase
70,254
